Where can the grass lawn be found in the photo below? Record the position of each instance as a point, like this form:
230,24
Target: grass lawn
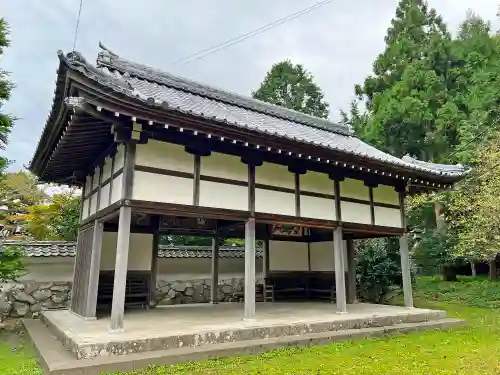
471,350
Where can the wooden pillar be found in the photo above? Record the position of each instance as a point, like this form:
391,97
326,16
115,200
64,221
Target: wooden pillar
351,271
405,270
250,268
95,267
339,271
265,253
123,241
214,291
154,261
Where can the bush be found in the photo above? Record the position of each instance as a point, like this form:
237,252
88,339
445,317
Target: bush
378,268
11,262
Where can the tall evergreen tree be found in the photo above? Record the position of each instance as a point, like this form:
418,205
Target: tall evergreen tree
291,86
409,95
6,120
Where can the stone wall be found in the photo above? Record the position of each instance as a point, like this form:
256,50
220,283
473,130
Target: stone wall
28,298
195,291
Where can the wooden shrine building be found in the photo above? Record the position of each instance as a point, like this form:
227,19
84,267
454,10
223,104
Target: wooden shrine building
155,153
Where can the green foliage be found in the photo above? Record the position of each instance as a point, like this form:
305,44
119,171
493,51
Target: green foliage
378,268
6,120
57,219
11,262
293,87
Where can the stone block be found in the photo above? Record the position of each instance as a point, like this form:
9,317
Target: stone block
22,296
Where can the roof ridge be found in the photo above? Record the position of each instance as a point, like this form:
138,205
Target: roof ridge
112,61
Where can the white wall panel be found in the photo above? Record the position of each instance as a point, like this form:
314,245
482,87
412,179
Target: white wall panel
317,208
355,213
164,155
88,182
316,182
104,202
119,158
85,209
323,257
162,188
95,182
106,169
354,189
385,194
218,195
389,217
140,251
93,203
275,175
116,193
274,202
288,256
224,166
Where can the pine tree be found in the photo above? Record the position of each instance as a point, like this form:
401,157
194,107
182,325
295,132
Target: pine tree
293,87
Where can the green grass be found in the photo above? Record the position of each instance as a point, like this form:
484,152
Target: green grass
471,350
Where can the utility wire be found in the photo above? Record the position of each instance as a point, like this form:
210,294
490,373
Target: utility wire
240,38
77,24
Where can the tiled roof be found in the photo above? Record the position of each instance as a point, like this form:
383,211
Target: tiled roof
154,88
68,249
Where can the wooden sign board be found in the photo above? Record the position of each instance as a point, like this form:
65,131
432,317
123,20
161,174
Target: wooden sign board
286,230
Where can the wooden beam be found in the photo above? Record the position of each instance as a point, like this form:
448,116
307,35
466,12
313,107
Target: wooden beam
196,182
372,207
351,271
339,271
297,195
265,253
128,170
251,189
112,179
99,187
154,264
336,191
91,189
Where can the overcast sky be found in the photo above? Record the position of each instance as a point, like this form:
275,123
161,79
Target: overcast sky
336,43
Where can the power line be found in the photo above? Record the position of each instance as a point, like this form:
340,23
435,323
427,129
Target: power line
77,24
240,38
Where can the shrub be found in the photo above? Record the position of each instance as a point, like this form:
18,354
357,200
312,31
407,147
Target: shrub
378,268
11,262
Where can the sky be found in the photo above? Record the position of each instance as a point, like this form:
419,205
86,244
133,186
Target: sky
337,43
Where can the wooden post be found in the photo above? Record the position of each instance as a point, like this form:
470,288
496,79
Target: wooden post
265,253
122,245
405,270
250,268
154,262
95,266
214,290
351,271
339,271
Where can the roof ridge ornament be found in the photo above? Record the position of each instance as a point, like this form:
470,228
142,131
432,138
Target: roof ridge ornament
106,49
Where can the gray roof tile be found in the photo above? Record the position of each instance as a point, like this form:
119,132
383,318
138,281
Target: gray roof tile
68,249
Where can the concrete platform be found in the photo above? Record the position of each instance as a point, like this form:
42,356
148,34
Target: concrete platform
181,326
66,344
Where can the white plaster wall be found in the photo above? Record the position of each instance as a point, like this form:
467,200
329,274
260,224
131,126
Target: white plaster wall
389,217
316,182
317,208
93,203
85,208
169,269
352,188
140,251
104,202
116,193
288,256
88,181
119,158
274,175
161,188
224,166
385,194
106,169
164,155
323,257
274,202
95,182
218,195
355,212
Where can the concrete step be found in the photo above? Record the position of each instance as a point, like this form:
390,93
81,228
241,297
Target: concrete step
58,361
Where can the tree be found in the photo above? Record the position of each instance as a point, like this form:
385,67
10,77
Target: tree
57,219
6,120
409,95
293,87
18,192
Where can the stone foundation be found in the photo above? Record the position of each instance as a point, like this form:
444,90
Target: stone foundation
27,298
